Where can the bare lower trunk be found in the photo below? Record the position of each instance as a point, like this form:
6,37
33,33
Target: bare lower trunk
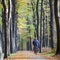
1,56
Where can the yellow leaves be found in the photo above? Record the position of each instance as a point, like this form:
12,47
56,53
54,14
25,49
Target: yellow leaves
0,14
22,10
21,24
1,6
22,2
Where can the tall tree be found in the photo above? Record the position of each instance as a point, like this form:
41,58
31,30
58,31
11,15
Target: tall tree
2,31
37,13
10,23
13,26
46,32
51,24
41,24
43,44
34,16
5,32
57,25
7,17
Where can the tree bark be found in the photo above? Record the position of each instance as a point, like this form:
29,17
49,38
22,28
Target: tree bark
10,23
51,24
13,25
1,56
37,19
43,44
41,24
46,32
34,18
5,28
57,26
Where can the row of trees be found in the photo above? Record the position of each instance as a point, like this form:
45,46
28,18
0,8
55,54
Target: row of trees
46,15
9,33
43,21
42,18
40,21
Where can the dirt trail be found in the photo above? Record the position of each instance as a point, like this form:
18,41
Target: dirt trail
26,55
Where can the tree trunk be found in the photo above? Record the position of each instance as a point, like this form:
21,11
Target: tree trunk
34,18
43,44
30,44
27,44
37,19
41,24
1,56
5,28
16,34
22,44
46,33
10,23
57,26
51,24
13,25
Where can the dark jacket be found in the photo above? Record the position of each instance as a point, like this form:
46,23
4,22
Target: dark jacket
36,43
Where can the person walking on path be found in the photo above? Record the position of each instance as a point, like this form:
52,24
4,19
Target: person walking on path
36,45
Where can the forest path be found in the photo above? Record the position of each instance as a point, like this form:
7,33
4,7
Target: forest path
26,55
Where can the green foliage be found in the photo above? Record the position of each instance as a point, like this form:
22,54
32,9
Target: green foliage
51,53
31,28
0,21
24,11
25,14
0,15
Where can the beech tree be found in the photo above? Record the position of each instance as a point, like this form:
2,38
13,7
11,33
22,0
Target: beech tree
51,24
41,23
5,33
37,14
57,25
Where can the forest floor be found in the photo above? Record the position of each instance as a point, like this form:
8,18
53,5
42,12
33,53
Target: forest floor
29,55
26,55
